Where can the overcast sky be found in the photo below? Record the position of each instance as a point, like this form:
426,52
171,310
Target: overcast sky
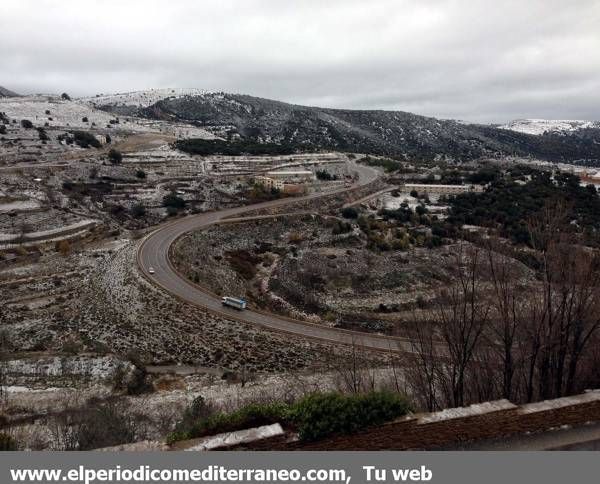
478,60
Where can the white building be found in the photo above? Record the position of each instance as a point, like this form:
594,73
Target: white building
442,189
296,175
269,182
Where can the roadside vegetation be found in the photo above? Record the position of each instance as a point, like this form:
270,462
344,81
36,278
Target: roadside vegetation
314,416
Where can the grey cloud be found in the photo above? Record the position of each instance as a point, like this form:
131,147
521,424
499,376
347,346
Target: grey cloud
485,61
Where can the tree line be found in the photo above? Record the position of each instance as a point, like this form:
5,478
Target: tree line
495,333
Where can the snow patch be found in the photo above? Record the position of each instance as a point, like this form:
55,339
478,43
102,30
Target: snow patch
141,98
470,411
239,437
541,126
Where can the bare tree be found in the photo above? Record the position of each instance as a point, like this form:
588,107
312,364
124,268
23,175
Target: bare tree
462,315
565,307
424,370
507,319
355,371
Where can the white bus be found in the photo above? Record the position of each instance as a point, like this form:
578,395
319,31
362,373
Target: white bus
233,302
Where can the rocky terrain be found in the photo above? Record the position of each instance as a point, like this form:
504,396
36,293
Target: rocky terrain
323,269
79,187
83,181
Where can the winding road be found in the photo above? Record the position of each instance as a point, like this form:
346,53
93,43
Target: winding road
154,252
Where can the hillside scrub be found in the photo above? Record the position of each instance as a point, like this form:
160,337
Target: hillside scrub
387,133
509,202
321,415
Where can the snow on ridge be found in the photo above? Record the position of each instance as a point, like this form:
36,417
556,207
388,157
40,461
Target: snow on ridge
541,126
142,98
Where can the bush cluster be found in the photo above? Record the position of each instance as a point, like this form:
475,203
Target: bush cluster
253,415
320,415
85,139
173,201
198,146
115,156
507,205
314,417
325,175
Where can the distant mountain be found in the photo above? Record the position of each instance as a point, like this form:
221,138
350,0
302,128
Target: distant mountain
391,133
6,93
541,126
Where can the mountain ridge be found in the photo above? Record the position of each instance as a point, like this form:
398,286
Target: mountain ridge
389,133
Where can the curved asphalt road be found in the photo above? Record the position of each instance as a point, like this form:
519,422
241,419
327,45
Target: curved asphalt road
154,252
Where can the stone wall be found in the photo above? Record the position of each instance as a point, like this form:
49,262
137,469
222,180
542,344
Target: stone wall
481,421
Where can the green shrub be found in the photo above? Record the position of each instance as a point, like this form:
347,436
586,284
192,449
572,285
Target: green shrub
7,443
115,156
325,176
42,134
25,123
138,210
349,212
320,415
172,200
253,415
340,227
85,139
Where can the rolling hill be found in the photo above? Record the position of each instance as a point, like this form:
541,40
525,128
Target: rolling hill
391,133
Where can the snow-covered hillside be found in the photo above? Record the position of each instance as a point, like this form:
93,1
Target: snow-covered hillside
54,112
541,126
141,98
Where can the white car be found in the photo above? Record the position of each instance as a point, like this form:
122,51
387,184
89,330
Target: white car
151,270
